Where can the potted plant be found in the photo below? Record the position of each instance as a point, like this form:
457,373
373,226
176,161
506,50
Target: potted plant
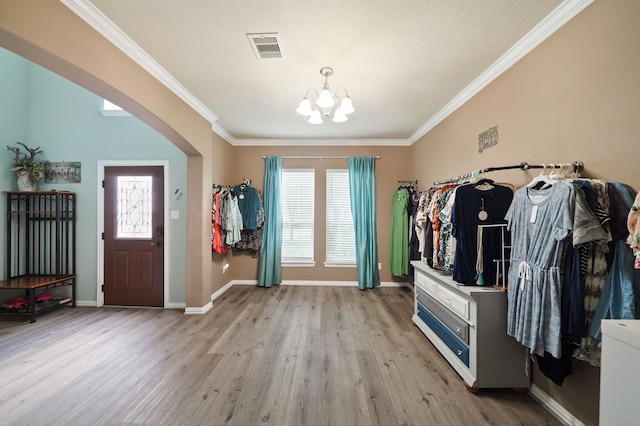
27,169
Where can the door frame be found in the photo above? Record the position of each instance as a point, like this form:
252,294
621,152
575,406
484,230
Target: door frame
100,229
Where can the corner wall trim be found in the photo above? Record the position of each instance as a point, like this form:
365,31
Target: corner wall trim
221,291
199,311
554,407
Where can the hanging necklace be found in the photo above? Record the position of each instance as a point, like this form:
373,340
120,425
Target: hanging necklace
482,214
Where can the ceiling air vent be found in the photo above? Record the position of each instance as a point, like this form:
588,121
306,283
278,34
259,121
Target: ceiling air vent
266,45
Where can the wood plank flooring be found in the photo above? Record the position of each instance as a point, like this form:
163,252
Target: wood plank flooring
279,356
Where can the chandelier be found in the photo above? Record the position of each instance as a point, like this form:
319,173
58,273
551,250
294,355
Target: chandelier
326,103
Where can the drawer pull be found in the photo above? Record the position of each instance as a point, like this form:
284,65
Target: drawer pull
458,329
459,352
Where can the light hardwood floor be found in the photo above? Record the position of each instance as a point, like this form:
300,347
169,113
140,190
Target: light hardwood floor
279,356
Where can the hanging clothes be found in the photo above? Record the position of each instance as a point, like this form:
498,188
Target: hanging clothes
251,240
233,219
438,201
473,207
633,225
538,221
218,232
596,271
424,227
399,257
617,300
249,204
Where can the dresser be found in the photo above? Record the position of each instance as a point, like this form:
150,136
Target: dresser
619,372
468,324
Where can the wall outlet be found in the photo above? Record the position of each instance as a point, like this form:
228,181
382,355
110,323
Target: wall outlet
175,214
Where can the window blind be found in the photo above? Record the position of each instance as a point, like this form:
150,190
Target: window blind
297,214
340,235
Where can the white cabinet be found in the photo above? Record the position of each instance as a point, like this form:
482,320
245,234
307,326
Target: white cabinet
468,324
620,373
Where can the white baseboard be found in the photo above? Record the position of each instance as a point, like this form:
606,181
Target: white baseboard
199,311
221,291
93,304
311,283
206,308
226,287
554,407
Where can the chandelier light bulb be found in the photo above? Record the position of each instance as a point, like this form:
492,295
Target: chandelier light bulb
315,118
339,116
304,108
325,100
346,105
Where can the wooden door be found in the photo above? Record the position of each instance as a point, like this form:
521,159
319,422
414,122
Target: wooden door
134,236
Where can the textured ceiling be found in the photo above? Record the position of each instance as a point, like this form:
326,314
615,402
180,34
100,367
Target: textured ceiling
402,61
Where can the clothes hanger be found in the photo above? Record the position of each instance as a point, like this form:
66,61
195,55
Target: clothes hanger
484,183
543,180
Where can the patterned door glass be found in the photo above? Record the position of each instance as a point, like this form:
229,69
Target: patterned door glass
134,207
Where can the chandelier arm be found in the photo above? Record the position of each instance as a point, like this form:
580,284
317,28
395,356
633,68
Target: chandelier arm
306,96
346,94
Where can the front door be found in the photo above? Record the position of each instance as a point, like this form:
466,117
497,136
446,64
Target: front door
134,236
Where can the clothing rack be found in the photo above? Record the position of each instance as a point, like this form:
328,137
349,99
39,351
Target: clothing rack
408,182
577,168
217,187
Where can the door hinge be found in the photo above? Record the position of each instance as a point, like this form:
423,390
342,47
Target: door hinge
103,183
103,235
102,288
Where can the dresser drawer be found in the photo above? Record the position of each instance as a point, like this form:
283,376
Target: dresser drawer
450,320
456,303
425,283
458,348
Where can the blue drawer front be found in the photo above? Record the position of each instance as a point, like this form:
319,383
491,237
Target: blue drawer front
456,346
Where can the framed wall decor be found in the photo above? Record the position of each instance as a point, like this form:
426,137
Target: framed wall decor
62,172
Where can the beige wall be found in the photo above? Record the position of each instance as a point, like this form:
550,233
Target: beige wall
575,97
394,165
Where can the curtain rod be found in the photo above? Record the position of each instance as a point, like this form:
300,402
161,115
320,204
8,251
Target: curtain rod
316,158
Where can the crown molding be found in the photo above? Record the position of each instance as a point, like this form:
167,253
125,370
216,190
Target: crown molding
218,130
321,142
96,19
549,25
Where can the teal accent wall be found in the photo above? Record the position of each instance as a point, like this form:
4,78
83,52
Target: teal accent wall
65,120
13,126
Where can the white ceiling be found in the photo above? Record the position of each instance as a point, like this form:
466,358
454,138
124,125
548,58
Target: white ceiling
406,64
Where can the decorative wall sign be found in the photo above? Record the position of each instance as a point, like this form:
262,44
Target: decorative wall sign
487,139
65,172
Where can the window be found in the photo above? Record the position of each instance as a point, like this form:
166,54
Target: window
112,110
134,205
297,216
340,235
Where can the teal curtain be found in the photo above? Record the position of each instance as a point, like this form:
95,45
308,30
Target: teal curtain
269,270
362,186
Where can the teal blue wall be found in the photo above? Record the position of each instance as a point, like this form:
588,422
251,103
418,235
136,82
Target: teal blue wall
65,120
13,125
